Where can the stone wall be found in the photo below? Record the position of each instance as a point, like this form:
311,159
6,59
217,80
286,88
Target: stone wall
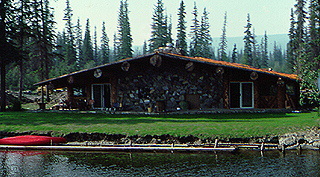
170,85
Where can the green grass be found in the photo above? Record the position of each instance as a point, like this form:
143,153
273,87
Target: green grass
219,125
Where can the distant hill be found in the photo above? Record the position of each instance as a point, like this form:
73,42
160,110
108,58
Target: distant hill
280,39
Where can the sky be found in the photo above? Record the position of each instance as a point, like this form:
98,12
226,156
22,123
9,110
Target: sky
270,16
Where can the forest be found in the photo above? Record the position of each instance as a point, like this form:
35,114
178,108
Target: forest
32,50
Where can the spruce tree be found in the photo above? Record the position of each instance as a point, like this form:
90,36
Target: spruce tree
144,48
248,43
223,41
300,34
70,55
234,57
182,34
195,44
78,43
87,49
104,48
256,53
205,37
291,46
95,46
124,32
309,53
9,50
264,52
43,37
159,28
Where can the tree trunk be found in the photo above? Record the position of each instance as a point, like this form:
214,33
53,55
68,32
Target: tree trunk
3,87
2,56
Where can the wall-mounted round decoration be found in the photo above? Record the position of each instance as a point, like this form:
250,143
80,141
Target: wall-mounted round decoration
220,70
254,76
189,66
125,66
70,80
97,73
156,60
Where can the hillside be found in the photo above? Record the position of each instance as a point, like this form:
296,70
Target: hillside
280,39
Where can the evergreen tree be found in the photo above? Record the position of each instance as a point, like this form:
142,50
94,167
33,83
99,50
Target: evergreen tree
144,48
116,47
9,51
205,37
234,57
291,46
277,62
124,32
309,53
95,46
181,34
70,55
264,51
223,41
195,44
159,28
43,37
78,43
104,48
256,54
23,33
314,29
87,49
300,34
248,44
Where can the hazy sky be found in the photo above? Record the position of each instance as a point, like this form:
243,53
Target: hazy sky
272,16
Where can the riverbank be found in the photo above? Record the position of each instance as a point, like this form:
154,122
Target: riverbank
287,130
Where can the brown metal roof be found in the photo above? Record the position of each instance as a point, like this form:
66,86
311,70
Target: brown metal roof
181,57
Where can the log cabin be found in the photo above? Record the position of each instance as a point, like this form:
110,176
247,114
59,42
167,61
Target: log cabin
165,82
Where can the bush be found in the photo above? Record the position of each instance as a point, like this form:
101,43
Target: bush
16,105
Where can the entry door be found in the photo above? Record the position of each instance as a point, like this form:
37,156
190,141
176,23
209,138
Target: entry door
241,95
101,95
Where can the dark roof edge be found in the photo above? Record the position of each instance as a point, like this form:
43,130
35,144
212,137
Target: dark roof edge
186,58
90,69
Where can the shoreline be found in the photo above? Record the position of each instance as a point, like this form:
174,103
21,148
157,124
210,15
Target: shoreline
309,139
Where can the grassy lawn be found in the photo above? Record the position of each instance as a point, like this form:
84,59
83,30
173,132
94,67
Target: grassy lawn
219,125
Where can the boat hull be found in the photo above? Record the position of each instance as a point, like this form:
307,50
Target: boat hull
29,140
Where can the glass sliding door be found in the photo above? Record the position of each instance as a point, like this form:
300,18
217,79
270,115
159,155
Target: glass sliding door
101,96
241,95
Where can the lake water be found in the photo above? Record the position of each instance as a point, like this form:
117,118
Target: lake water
91,164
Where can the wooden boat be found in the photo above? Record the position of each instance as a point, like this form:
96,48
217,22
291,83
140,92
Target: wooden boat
31,140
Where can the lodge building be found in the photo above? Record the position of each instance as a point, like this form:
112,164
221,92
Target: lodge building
165,82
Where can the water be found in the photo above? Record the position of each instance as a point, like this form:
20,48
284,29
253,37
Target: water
90,164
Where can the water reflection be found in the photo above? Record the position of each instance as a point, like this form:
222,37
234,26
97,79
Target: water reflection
240,163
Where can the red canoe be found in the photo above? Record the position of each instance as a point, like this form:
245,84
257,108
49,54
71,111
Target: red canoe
32,140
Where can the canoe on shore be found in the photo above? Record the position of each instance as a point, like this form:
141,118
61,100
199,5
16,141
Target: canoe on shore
32,140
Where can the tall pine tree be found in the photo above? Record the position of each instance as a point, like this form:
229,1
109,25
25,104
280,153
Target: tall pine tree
70,51
182,34
104,48
124,32
159,28
223,41
87,49
248,43
195,44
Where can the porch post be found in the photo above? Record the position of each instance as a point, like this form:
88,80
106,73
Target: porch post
281,93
